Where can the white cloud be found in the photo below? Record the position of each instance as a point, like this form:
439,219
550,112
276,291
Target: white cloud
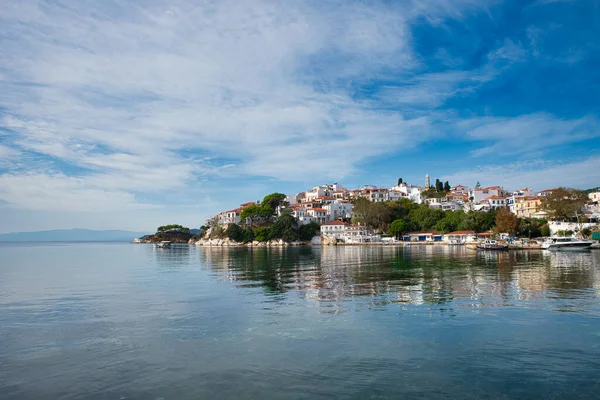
61,193
139,99
7,153
539,174
526,134
125,102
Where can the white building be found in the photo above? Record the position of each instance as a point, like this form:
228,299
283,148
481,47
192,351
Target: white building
545,192
318,191
334,229
339,209
348,233
523,192
359,234
495,202
460,236
396,195
377,195
423,236
460,189
594,196
229,217
556,226
480,194
415,194
319,215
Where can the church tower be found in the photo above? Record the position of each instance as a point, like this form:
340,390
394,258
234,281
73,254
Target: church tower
427,183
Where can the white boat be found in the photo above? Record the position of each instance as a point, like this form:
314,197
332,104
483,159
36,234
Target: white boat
566,243
492,245
163,244
456,242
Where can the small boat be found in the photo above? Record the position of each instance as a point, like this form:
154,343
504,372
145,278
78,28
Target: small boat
163,244
455,242
492,245
566,243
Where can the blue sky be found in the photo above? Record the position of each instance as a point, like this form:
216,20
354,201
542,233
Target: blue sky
116,114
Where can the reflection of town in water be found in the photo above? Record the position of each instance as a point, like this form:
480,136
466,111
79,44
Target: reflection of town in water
336,278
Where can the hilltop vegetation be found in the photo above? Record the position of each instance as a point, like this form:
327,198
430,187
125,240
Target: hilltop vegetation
401,217
261,223
172,233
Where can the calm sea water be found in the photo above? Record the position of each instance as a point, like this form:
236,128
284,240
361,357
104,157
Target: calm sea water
124,321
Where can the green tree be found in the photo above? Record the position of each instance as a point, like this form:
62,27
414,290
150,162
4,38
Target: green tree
424,218
254,213
360,210
262,234
285,227
398,228
531,227
545,230
479,221
306,232
173,228
439,186
399,181
273,200
452,221
218,232
378,216
564,203
238,234
446,186
506,221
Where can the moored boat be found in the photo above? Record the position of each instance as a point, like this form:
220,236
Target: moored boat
163,244
492,245
566,243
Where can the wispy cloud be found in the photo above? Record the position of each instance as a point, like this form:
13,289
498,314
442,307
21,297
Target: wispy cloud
537,173
128,102
136,98
527,134
62,193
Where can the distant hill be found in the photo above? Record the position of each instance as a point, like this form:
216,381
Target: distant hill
588,191
71,235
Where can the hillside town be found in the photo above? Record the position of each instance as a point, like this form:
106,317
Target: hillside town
333,208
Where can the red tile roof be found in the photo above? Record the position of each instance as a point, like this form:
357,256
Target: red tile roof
461,233
335,223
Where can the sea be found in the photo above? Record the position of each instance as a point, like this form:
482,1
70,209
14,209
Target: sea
122,321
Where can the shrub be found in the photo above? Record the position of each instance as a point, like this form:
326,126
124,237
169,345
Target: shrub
238,234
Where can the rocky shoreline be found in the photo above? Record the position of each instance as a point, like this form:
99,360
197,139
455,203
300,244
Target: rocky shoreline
230,243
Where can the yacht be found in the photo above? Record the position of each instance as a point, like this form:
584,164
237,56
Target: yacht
566,243
492,245
163,244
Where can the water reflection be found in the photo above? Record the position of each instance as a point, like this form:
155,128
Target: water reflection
131,321
333,276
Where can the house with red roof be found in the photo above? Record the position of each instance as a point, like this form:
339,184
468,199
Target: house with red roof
431,236
480,194
465,236
495,202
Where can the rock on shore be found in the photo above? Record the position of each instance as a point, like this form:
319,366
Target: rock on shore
230,243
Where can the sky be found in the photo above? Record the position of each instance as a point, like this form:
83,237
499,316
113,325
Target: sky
128,115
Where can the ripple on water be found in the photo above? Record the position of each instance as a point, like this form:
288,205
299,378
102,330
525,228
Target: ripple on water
128,321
